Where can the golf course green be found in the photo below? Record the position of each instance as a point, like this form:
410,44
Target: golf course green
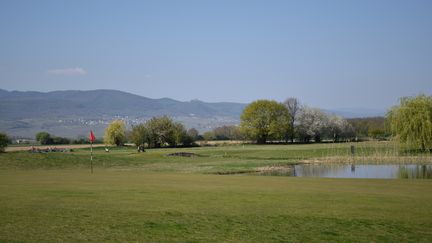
151,196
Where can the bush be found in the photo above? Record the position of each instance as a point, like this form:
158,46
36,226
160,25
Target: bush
80,140
60,140
4,141
210,135
227,133
44,138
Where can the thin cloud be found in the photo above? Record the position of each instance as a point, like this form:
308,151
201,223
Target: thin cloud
67,71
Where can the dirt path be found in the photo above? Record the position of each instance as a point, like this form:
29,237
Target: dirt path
69,146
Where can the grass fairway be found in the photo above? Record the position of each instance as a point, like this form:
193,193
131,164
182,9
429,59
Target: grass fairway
154,197
73,205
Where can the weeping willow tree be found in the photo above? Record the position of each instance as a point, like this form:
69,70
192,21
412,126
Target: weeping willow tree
411,122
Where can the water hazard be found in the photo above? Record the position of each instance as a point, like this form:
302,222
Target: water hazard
387,171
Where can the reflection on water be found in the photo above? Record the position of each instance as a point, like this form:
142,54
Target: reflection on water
286,172
419,172
388,171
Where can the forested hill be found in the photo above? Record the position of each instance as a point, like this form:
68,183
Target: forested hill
68,113
21,105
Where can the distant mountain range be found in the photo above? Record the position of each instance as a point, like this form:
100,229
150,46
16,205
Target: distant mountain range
73,113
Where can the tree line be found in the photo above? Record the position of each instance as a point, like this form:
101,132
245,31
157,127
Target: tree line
262,121
371,127
154,133
45,138
266,120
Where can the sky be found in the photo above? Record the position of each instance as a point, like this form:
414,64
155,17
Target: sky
330,54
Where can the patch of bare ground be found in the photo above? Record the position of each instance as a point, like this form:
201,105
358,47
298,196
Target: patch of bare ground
44,147
274,168
221,142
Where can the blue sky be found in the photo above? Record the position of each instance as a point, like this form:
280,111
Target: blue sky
331,54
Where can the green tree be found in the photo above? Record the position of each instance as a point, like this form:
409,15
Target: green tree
115,133
180,135
264,119
209,135
377,133
44,138
368,126
163,131
160,131
139,135
4,141
411,121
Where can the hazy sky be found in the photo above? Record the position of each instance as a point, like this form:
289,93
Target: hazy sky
331,54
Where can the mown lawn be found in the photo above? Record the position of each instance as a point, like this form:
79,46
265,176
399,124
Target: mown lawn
73,205
223,159
155,197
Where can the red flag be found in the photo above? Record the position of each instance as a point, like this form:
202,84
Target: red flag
92,137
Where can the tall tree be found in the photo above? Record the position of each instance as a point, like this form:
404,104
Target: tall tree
411,121
312,122
161,131
265,119
338,128
193,133
180,135
115,133
293,106
139,134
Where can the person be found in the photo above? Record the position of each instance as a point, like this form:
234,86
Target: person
141,148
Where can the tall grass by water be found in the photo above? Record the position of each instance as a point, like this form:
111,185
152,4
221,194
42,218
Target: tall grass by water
374,152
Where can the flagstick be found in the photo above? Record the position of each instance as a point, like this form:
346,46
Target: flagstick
91,156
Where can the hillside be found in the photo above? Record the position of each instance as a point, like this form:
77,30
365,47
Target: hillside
73,113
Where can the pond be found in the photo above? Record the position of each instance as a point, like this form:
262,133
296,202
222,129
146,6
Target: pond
386,171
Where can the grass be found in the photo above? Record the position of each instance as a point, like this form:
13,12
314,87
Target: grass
153,197
223,159
52,205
